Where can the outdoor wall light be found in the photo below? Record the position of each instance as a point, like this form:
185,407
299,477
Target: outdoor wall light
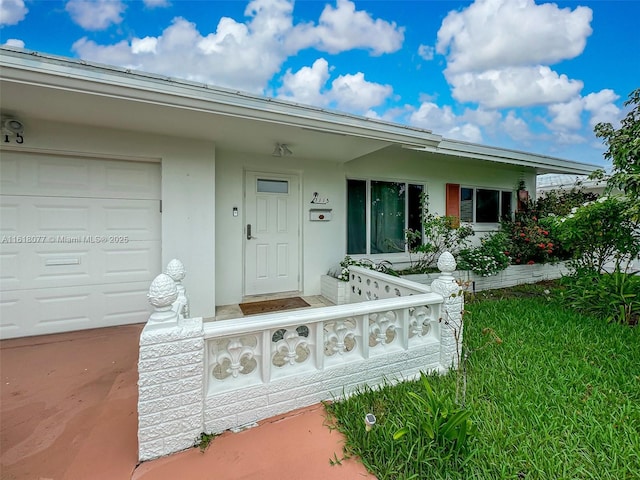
281,150
12,130
12,126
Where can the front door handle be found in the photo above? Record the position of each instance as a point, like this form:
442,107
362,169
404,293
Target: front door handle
249,237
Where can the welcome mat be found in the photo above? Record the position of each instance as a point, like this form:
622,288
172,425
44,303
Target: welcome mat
253,308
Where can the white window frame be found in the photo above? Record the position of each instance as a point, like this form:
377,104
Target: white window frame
475,189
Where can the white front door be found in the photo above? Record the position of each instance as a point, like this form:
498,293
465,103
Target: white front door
271,233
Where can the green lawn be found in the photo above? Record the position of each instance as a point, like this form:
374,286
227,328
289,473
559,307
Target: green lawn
558,399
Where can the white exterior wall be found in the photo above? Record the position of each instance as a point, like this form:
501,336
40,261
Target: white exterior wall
438,170
188,190
322,243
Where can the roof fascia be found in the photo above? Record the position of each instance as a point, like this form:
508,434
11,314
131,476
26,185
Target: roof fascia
542,163
83,77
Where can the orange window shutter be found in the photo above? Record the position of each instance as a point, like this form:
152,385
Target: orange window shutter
453,200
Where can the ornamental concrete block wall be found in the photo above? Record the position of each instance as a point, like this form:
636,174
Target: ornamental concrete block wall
196,377
451,322
170,374
170,385
236,408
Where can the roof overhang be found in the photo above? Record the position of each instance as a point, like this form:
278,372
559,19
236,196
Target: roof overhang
36,86
540,163
103,96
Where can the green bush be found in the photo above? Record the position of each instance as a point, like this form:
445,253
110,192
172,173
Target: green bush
560,202
383,266
615,297
600,232
487,259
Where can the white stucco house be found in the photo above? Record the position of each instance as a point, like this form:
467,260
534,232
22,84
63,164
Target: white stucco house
107,174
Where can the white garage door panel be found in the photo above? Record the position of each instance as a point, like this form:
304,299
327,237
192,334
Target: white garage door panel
80,220
36,312
25,173
57,265
81,242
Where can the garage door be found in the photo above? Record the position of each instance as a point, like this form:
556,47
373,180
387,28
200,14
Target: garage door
80,242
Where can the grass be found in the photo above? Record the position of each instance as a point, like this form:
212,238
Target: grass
205,440
558,399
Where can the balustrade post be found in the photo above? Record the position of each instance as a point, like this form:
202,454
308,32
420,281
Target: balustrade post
170,376
175,269
451,321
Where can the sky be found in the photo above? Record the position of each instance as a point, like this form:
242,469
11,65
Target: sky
521,74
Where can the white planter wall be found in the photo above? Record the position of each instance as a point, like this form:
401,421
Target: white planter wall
334,290
511,276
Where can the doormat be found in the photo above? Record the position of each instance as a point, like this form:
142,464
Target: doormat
268,306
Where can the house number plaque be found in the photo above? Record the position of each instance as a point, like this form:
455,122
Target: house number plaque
19,138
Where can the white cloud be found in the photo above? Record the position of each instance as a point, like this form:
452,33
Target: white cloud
14,42
156,3
355,94
235,55
568,138
443,121
95,14
602,108
567,116
498,52
516,128
144,45
305,86
511,87
345,28
432,117
484,118
492,34
12,11
352,92
246,55
426,52
466,132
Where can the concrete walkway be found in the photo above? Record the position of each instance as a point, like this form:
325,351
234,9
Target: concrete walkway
68,412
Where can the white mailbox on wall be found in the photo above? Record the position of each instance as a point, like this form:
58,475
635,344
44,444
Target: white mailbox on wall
320,214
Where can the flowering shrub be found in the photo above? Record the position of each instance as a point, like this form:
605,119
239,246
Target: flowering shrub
489,258
529,240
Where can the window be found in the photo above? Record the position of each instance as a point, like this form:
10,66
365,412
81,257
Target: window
478,205
272,186
378,213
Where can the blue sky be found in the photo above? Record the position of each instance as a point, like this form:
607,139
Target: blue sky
522,74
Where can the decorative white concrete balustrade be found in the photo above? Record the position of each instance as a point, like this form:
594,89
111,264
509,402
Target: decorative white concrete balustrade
208,377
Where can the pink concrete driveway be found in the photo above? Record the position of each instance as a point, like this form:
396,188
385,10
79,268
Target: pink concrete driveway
68,412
